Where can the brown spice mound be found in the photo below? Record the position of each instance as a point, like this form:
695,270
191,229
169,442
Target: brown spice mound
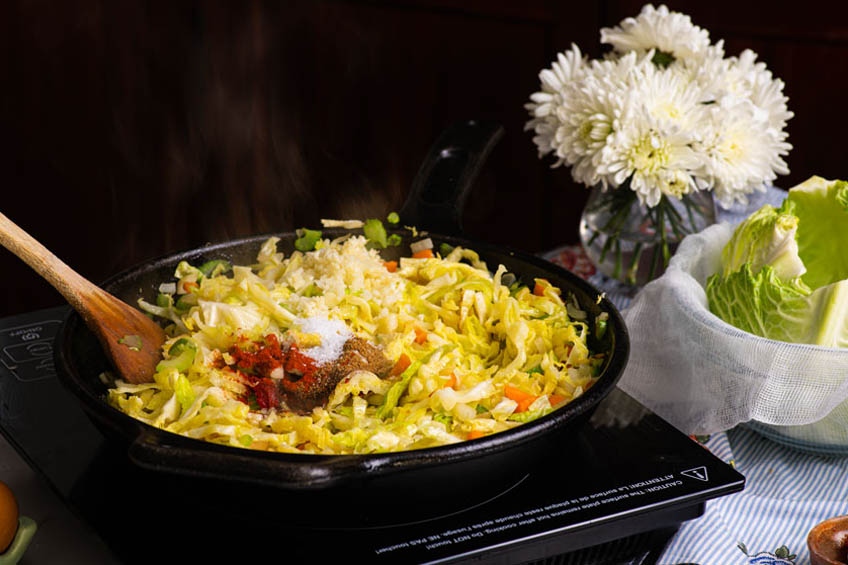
315,389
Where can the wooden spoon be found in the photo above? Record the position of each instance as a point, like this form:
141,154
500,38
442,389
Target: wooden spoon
129,338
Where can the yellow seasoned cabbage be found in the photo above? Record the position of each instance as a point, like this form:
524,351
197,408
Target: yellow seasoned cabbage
472,355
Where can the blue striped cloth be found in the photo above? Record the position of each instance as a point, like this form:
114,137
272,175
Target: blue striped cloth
787,492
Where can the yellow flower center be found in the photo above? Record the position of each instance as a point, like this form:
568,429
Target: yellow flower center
676,185
595,128
648,155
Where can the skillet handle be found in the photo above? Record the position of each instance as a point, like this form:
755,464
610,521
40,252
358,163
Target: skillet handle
443,182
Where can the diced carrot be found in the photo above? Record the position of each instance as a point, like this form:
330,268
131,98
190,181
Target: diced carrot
391,266
523,405
188,286
451,382
539,289
524,399
474,434
555,399
402,364
515,393
423,254
420,335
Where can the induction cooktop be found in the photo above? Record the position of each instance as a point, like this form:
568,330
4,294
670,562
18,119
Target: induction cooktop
612,493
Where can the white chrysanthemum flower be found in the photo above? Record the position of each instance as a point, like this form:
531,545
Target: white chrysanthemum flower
573,116
668,94
766,93
708,70
589,114
741,152
657,158
569,67
733,76
672,33
652,147
666,112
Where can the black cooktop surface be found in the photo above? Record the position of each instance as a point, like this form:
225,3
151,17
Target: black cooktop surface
612,494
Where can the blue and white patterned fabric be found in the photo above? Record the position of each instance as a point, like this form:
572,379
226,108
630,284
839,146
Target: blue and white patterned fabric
787,492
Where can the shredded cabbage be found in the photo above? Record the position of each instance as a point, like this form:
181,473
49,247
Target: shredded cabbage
465,334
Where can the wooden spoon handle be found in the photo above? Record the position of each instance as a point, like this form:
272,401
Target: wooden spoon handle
64,279
130,339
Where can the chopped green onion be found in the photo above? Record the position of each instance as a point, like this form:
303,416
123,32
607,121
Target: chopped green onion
393,218
186,271
344,410
375,232
306,239
164,300
313,290
536,369
183,352
395,239
600,327
214,267
245,440
133,342
445,249
445,419
515,288
481,409
185,302
181,345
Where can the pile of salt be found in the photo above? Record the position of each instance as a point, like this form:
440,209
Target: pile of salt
333,333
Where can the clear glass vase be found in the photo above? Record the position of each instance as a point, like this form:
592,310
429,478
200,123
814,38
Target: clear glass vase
630,242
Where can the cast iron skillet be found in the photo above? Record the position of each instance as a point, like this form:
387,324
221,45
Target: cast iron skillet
435,203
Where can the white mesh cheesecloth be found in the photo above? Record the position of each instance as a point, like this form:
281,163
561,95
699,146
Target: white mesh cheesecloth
705,376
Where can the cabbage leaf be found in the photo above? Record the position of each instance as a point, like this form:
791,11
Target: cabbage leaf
784,272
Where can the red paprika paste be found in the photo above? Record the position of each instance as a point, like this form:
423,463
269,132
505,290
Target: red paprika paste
262,358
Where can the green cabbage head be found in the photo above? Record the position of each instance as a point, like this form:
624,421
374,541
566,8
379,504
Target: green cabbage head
784,273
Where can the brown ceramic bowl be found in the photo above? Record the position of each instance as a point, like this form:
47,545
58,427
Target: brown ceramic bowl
828,542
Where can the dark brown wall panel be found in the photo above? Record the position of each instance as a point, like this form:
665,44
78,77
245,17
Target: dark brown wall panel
132,129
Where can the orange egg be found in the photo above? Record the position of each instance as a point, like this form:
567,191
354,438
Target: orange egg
8,517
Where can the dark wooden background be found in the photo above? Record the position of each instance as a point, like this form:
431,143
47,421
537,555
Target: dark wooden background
132,129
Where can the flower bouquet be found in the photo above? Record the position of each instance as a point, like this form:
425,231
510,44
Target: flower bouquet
659,126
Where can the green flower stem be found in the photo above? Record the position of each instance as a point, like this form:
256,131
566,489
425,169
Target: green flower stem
688,204
655,260
674,218
616,273
670,224
615,224
660,226
634,264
